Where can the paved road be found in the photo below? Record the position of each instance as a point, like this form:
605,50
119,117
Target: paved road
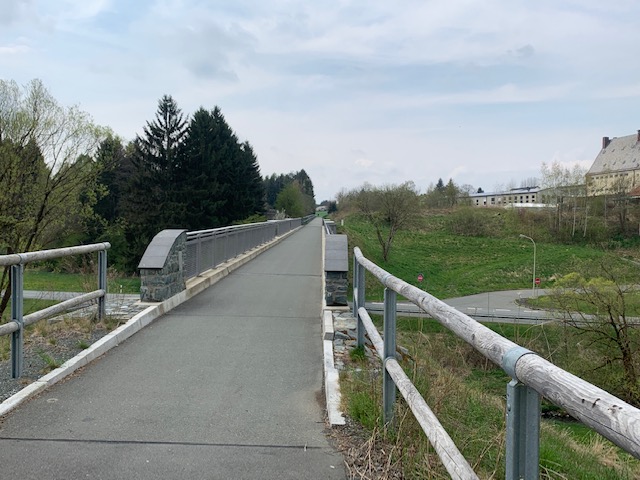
485,307
227,385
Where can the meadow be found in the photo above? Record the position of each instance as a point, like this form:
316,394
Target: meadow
466,391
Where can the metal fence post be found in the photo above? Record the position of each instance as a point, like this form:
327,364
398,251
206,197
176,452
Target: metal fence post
388,386
17,337
198,255
355,287
523,423
358,299
102,284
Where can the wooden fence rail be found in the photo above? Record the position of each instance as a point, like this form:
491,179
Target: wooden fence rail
610,416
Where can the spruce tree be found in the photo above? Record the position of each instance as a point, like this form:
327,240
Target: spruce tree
241,183
203,193
153,201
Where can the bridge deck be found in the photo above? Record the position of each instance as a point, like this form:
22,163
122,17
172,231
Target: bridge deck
226,385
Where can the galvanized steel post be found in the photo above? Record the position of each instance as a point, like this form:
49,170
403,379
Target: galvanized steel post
358,299
388,386
523,423
102,284
17,337
355,288
198,255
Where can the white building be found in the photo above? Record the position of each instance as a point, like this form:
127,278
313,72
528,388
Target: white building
526,196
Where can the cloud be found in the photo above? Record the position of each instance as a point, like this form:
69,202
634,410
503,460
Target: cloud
12,11
13,49
526,51
363,162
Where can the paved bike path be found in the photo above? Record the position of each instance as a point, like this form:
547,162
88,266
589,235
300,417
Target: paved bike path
226,385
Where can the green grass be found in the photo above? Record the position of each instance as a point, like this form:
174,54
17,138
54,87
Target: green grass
549,302
30,305
51,363
455,265
67,282
467,394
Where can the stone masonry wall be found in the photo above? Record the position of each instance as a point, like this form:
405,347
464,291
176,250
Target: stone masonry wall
336,288
158,285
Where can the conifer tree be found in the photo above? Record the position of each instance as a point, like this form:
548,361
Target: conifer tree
204,200
154,199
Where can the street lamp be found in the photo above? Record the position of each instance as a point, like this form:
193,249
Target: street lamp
533,285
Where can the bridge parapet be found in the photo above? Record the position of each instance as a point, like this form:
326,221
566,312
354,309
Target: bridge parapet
336,267
162,266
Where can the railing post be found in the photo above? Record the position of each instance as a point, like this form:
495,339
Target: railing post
17,337
523,423
388,386
102,284
355,288
198,255
358,299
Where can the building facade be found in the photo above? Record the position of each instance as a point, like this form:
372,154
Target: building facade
526,196
616,169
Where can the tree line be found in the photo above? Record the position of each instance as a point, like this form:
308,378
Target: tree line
68,181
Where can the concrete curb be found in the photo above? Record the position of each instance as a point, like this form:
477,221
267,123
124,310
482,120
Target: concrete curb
331,375
134,325
333,397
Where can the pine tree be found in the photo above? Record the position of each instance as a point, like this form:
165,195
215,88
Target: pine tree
241,183
153,202
204,200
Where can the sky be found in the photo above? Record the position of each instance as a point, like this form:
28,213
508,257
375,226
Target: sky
383,92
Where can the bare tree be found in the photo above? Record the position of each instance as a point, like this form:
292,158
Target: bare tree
598,308
565,188
390,209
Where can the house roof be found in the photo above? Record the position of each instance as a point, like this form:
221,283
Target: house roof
620,154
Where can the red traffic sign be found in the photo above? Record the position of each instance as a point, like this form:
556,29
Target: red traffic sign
537,281
420,277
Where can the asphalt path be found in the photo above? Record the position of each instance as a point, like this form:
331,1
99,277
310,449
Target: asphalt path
227,385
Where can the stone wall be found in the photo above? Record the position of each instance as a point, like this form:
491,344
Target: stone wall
336,288
162,266
336,267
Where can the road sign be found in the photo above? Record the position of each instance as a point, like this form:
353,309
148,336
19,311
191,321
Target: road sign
537,281
420,277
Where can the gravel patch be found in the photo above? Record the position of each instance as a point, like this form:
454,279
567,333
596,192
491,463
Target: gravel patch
50,343
43,354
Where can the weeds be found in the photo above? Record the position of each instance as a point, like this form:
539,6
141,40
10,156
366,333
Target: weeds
51,363
467,394
357,354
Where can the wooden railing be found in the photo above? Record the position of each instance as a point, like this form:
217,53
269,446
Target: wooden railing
532,377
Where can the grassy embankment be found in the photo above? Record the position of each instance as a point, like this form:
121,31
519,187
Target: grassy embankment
465,390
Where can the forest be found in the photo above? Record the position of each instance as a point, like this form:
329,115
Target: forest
67,181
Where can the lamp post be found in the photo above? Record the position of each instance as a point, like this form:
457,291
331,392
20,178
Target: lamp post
533,284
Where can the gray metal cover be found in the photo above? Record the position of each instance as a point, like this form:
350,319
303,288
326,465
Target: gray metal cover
158,250
336,252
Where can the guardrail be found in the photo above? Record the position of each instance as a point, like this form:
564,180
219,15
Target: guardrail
207,249
532,376
17,261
